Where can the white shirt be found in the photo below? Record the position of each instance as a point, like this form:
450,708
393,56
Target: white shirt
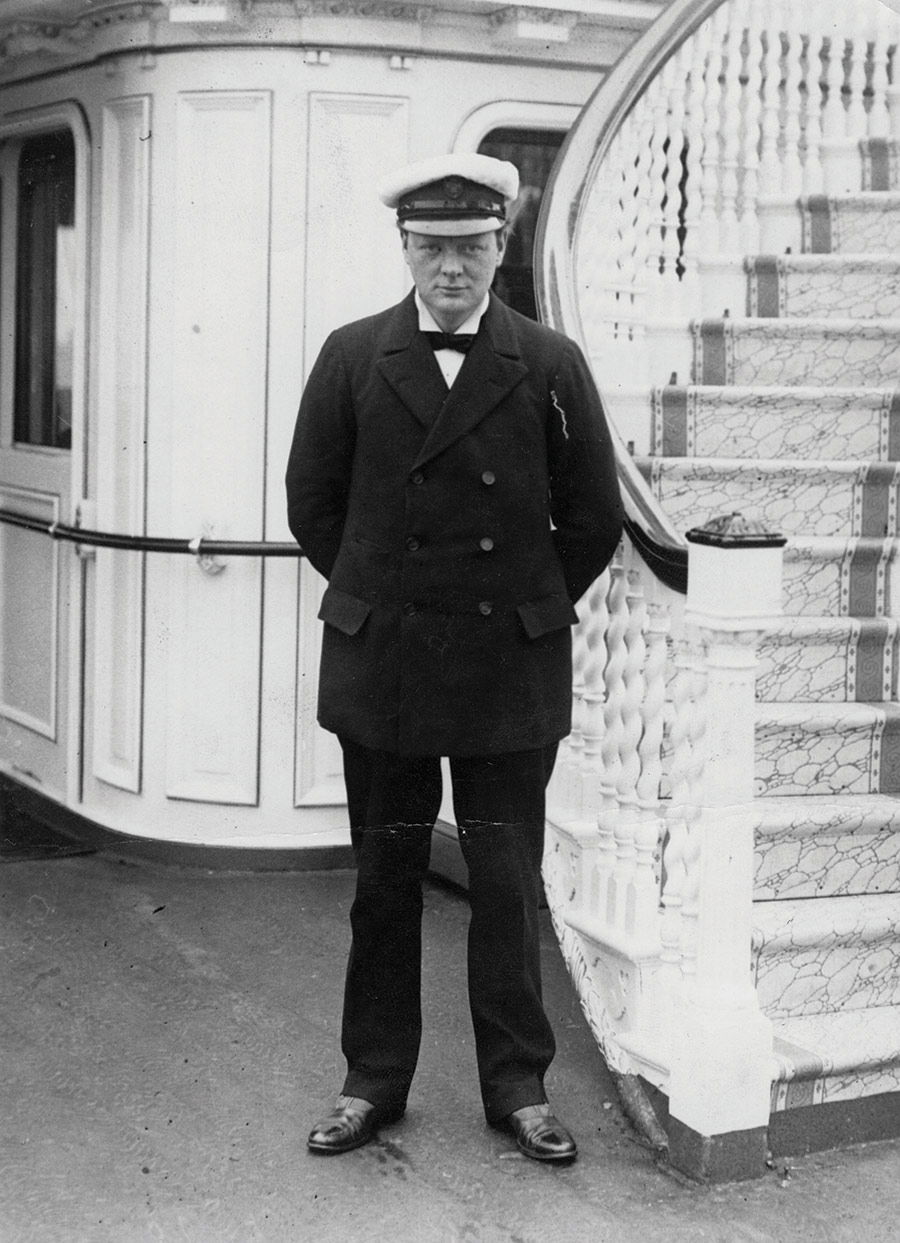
450,361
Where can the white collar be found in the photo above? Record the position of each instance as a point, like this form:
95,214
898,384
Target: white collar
427,322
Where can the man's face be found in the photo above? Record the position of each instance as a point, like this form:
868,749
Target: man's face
452,274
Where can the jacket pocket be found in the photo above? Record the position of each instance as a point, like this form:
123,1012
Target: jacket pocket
541,616
346,613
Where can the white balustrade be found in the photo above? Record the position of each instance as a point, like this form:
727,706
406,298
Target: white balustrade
650,883
766,101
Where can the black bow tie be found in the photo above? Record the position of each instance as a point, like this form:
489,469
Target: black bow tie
459,341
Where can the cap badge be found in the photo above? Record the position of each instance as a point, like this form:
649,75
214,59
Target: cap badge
454,187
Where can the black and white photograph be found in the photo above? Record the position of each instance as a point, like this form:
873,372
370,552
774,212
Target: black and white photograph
450,621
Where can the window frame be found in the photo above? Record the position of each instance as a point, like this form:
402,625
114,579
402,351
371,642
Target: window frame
14,132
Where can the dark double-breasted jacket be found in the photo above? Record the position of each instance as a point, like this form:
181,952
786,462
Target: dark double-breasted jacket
455,528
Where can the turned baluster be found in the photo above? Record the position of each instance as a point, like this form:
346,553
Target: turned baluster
880,30
675,844
730,140
770,67
813,175
791,164
653,194
609,747
570,762
696,741
675,76
855,118
751,130
594,695
644,901
629,740
833,125
711,34
695,56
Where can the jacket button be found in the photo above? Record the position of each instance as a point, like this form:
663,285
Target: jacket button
485,607
488,477
486,544
412,543
409,608
417,477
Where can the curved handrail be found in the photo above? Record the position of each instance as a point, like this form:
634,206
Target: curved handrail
660,545
199,547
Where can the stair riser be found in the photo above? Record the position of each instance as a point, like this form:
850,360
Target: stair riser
859,502
856,664
839,293
773,423
817,979
857,227
800,758
817,867
856,583
775,352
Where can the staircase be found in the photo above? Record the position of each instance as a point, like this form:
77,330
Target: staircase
794,419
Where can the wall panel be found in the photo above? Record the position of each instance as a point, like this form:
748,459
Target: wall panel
120,440
217,428
29,614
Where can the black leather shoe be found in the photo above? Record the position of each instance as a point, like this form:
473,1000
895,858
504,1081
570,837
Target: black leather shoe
352,1123
540,1135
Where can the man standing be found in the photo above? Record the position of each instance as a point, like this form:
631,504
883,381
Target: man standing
452,477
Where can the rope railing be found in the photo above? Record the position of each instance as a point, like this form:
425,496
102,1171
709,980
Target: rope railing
197,547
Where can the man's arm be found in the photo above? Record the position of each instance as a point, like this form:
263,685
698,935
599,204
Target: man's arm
585,503
321,460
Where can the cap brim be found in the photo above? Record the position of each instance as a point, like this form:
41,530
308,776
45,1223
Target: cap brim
453,228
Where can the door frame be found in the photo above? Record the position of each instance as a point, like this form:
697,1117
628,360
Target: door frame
24,123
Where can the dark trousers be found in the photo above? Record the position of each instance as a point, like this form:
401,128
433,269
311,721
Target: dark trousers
499,805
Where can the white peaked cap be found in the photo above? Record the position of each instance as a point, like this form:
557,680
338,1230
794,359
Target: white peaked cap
453,194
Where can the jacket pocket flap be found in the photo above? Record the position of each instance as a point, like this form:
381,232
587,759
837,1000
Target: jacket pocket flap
344,612
552,613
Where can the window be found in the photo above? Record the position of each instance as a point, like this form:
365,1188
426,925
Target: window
533,152
45,283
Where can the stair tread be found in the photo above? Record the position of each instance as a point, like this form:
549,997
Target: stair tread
844,1040
803,325
811,814
859,198
807,921
740,392
723,465
884,261
849,712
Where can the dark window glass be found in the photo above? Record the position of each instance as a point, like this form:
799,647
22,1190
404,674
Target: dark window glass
533,152
45,304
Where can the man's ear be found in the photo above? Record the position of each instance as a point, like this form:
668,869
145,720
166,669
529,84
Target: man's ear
501,246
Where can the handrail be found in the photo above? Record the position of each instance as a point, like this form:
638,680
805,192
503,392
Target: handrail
662,547
199,547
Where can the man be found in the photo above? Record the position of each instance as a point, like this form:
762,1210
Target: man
452,477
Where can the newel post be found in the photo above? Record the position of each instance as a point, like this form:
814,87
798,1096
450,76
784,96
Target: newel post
722,1050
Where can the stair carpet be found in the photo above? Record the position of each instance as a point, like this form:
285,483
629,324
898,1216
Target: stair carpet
794,418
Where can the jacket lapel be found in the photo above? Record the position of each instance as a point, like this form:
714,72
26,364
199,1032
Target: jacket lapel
408,364
492,368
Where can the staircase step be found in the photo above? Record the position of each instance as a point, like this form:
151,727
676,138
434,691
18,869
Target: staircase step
834,954
868,222
821,846
846,424
835,1057
845,352
813,748
839,577
851,286
789,496
830,660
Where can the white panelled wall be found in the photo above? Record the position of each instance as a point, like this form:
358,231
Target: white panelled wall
233,222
